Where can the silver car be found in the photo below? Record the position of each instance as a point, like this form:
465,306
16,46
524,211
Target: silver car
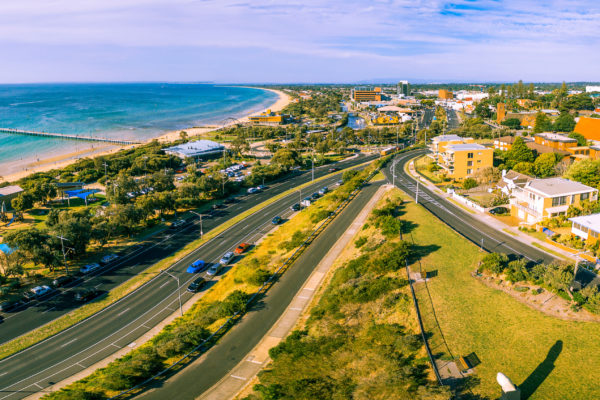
227,257
86,269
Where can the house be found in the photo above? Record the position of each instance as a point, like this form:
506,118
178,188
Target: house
555,140
512,180
7,193
440,143
547,198
463,160
589,128
586,227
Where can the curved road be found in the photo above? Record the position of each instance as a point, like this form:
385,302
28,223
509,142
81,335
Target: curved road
115,327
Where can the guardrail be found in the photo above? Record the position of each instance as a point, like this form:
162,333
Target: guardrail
263,289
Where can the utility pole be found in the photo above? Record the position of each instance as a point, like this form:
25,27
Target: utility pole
62,245
313,165
178,289
199,216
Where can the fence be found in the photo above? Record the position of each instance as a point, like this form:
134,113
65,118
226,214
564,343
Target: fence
466,201
263,289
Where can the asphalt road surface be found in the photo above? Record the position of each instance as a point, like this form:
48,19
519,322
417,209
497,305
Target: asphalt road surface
452,119
461,221
118,325
202,374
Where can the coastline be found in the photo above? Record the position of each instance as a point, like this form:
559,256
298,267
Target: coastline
55,161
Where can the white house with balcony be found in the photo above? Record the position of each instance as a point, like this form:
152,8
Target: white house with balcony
547,198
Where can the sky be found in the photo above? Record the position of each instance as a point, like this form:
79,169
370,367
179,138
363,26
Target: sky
275,41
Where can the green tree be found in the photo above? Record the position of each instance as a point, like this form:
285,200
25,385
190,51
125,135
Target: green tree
542,123
564,123
287,158
581,140
519,152
512,123
585,171
544,165
524,167
22,202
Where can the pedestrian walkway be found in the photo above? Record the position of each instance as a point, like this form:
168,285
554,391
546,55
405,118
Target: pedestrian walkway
240,376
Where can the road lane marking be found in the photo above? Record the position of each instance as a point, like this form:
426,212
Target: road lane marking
50,309
239,377
164,284
255,362
68,343
123,312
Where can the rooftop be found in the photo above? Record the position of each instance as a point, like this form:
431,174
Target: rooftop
197,148
556,137
589,221
552,187
466,146
446,138
8,190
588,127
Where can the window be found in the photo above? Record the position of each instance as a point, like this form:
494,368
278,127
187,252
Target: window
469,155
576,225
478,161
559,201
593,234
469,163
584,196
572,199
469,171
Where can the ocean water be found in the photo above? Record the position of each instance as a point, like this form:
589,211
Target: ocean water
134,111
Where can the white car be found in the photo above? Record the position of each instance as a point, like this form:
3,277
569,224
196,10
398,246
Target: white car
213,270
227,257
38,291
86,269
107,259
252,190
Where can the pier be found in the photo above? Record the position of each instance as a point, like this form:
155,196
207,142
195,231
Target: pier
66,136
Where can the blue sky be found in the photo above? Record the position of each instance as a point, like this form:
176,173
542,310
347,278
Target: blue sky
299,41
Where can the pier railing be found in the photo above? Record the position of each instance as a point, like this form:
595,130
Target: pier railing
13,131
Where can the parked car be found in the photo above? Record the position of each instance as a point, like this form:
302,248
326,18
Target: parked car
340,182
261,187
306,202
296,207
195,286
63,280
252,190
314,196
227,257
242,247
10,305
86,294
178,223
38,291
323,191
197,266
107,259
213,270
276,220
86,269
499,210
333,169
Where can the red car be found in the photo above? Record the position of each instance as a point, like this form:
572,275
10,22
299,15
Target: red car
241,248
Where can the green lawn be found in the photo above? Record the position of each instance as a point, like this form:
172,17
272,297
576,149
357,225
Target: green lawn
422,166
505,334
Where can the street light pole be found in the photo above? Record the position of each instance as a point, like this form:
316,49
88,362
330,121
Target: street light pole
199,216
178,289
62,245
417,196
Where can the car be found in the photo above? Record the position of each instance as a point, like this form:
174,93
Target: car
499,210
86,294
314,196
261,187
107,259
86,269
10,305
62,280
276,220
296,207
213,270
323,191
38,291
227,257
196,285
252,190
340,182
230,200
242,247
178,223
333,169
197,266
306,202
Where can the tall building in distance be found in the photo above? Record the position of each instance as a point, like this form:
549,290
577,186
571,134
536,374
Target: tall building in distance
445,94
403,89
366,94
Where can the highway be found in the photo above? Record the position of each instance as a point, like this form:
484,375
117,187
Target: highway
458,219
117,326
204,372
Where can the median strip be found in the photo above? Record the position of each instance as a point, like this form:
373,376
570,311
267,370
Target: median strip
87,310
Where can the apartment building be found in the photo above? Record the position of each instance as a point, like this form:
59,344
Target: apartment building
462,161
547,198
440,143
555,140
360,94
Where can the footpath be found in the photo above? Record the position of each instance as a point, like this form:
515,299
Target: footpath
498,225
243,373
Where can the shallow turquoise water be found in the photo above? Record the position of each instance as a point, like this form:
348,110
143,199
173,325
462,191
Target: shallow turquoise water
136,111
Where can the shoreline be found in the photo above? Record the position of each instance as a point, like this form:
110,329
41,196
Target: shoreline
60,160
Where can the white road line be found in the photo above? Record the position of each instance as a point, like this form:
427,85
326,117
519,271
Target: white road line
4,373
68,343
50,309
304,297
41,387
254,361
239,377
164,284
123,312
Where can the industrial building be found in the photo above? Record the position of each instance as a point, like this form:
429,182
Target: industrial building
197,150
360,94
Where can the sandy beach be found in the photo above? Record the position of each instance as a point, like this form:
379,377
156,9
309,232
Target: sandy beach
15,170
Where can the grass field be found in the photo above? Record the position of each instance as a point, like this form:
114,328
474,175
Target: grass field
422,166
546,357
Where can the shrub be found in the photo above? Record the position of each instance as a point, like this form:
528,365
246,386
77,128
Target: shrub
234,302
469,183
297,239
494,262
259,276
360,241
